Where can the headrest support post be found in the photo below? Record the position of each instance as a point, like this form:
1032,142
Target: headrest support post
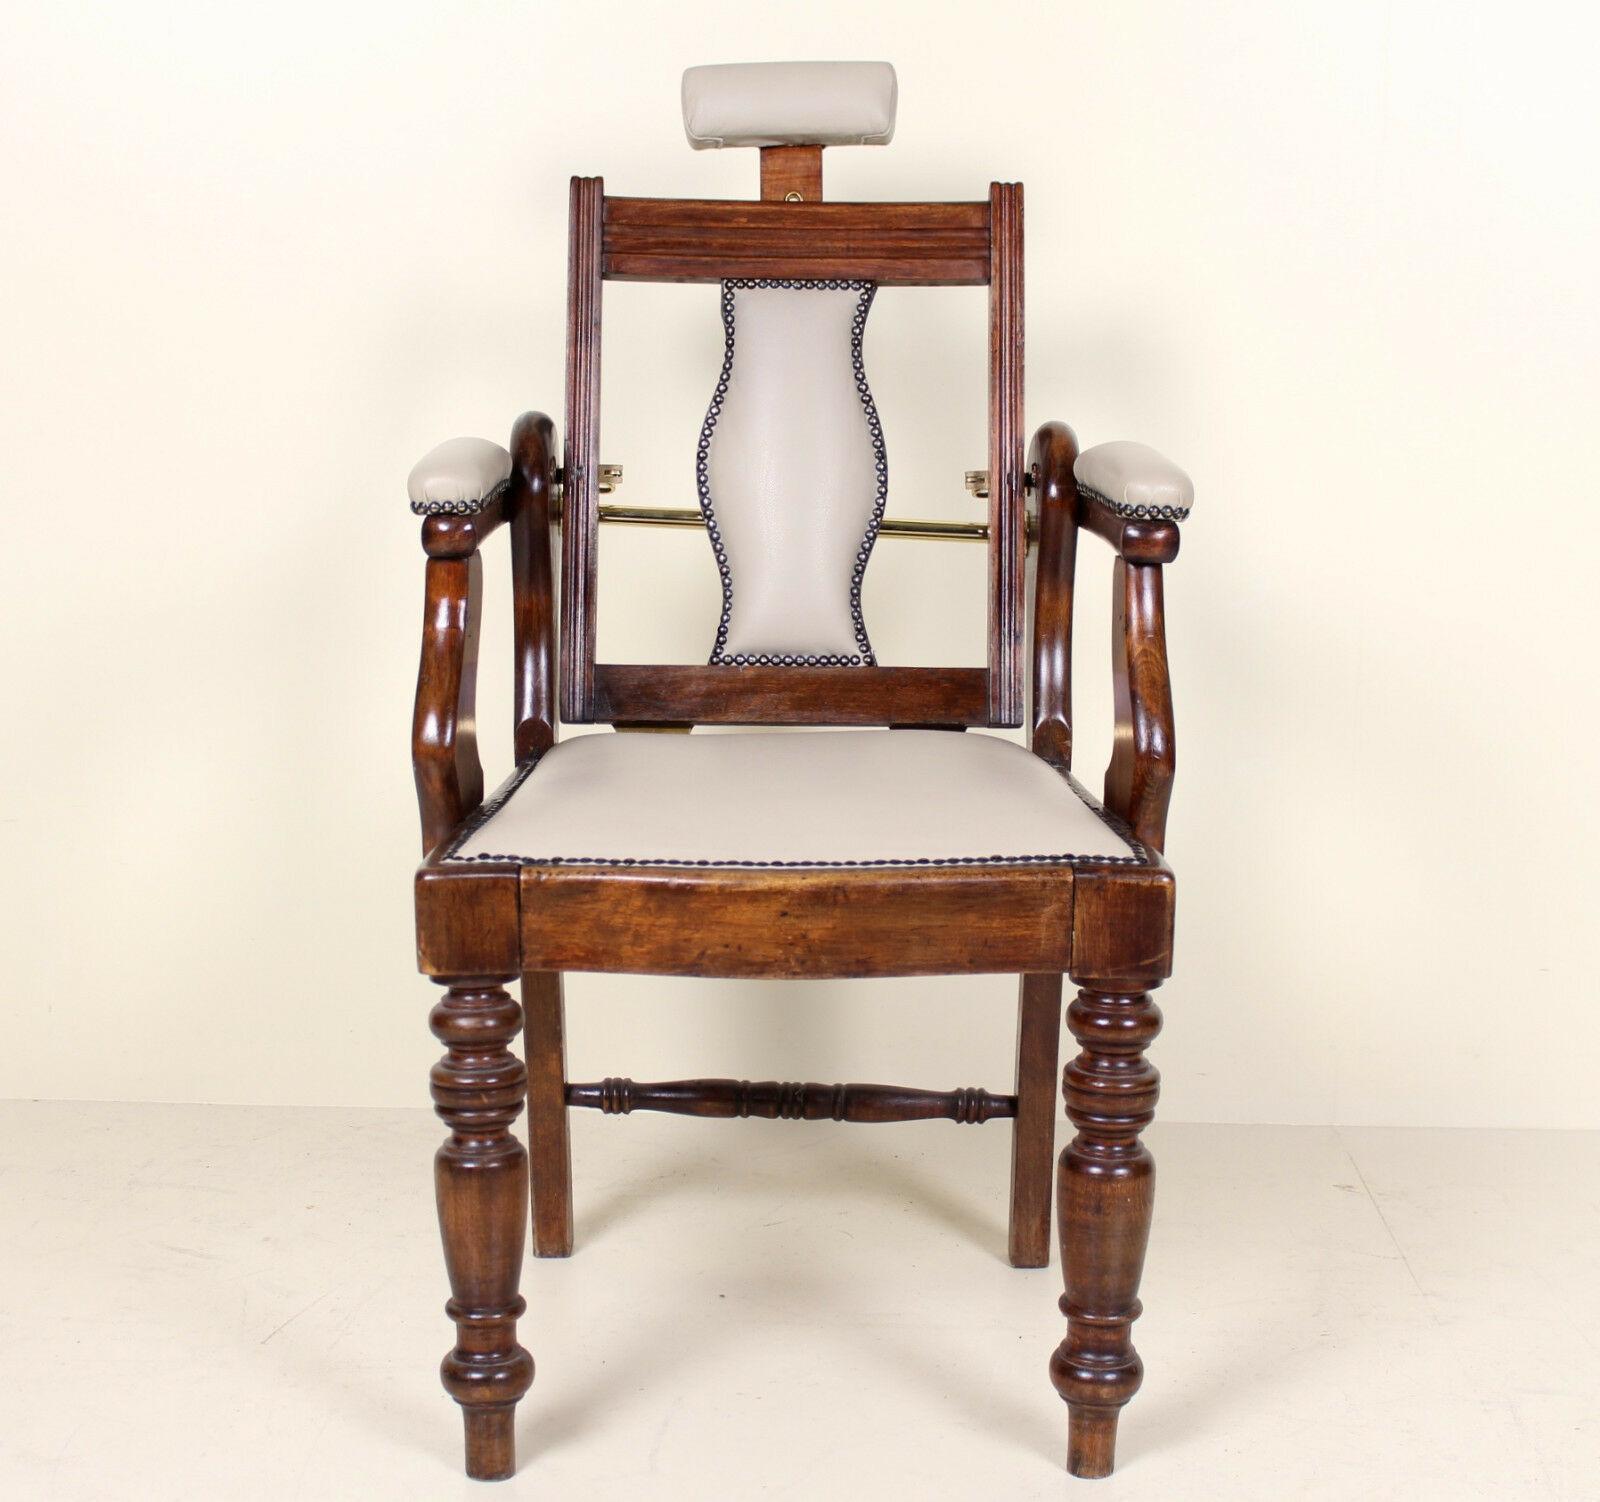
791,174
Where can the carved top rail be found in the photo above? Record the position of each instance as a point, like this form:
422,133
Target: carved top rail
706,240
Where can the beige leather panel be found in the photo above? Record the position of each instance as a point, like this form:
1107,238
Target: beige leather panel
789,104
461,475
855,797
1137,481
791,472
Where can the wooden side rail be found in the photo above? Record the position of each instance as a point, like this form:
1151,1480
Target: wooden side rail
780,1100
1138,785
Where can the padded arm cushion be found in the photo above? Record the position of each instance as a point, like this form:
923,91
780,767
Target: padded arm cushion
462,476
789,104
1135,481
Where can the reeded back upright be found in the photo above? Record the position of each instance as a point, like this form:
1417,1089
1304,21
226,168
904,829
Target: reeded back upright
792,462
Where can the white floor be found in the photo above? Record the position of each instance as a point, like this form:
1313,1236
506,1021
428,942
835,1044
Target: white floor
246,1303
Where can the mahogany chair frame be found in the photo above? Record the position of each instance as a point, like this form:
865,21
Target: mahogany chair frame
1107,925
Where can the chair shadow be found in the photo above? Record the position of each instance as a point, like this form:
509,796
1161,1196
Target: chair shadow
872,1178
1161,1417
1165,1418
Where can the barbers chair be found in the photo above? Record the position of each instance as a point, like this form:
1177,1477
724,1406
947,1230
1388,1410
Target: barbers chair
898,846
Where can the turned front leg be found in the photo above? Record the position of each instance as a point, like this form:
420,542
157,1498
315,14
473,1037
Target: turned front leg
481,1180
1104,1192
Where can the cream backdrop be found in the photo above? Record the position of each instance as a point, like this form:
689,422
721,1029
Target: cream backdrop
1338,260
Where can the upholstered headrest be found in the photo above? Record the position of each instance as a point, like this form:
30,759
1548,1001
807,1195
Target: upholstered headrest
789,104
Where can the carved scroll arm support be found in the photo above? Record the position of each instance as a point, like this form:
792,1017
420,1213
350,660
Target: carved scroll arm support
444,739
1138,784
1143,750
444,736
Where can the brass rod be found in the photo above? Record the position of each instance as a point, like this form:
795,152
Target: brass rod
890,526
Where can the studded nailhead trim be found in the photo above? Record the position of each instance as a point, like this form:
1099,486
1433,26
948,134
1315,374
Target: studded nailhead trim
719,654
1141,855
1136,513
463,508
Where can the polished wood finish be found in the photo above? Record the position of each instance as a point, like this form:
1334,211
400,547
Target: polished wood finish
444,741
549,1142
1122,921
467,919
480,1177
1104,1198
1108,925
461,536
580,500
1134,541
668,693
1033,1138
791,174
528,506
1054,496
793,924
1143,757
782,1100
1007,525
444,734
708,240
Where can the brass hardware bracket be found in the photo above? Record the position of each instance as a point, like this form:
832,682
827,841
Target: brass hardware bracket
607,478
977,481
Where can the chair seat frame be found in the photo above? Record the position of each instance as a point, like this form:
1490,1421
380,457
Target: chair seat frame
482,925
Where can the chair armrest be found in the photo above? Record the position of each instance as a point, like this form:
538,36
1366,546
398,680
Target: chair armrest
1135,482
1131,496
461,477
1134,498
464,490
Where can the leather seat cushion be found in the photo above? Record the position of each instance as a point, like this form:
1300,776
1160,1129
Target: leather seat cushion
806,798
789,104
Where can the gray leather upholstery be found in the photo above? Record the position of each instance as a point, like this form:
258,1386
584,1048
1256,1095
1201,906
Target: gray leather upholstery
808,798
789,104
792,473
460,476
1135,481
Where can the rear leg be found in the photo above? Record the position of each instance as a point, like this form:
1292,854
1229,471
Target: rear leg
549,1143
1033,1134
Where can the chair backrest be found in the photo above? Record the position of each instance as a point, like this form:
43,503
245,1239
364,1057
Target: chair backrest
791,465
